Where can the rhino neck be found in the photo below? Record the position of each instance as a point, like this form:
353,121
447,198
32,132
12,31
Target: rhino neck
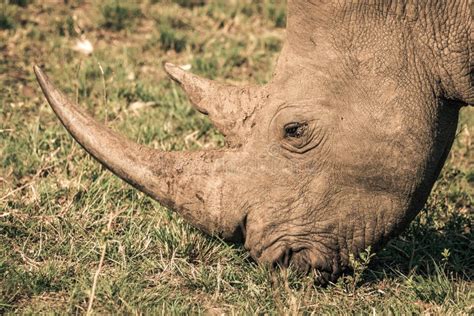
320,32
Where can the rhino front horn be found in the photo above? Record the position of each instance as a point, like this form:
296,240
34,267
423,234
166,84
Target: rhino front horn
183,181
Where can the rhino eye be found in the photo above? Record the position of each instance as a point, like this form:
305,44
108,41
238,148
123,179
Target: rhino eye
295,130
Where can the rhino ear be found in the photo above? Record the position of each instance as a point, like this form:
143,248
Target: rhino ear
228,107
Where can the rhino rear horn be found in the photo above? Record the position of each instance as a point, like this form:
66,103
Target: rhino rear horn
229,107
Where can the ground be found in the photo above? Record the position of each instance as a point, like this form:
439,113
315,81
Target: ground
75,239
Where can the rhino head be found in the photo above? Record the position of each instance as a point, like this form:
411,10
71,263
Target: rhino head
337,153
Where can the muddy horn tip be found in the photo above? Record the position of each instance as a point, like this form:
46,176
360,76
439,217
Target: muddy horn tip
43,80
38,71
175,72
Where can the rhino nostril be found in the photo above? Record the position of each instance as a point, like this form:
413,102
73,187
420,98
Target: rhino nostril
301,263
283,261
296,259
239,235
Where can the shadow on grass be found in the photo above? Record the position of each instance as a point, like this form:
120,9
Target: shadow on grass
428,246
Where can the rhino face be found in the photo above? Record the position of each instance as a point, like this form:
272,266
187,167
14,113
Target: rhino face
339,170
337,153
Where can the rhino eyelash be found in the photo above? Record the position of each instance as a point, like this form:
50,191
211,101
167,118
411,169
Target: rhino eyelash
311,138
295,129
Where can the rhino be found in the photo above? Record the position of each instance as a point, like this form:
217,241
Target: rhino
337,153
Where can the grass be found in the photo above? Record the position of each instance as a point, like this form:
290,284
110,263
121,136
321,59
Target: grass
118,15
7,17
59,209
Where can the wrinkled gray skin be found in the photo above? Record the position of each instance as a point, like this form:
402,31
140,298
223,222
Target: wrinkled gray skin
337,153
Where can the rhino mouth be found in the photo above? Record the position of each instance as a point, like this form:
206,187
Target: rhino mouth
303,260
